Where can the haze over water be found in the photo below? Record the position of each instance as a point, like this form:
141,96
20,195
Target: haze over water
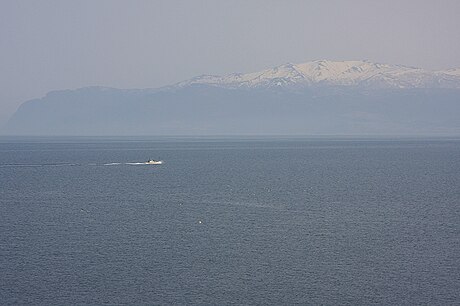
235,220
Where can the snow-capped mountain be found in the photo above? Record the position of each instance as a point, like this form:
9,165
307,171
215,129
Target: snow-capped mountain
334,73
340,98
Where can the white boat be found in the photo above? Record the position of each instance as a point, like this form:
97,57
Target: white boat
153,162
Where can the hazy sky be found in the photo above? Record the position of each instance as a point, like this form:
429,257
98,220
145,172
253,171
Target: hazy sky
49,45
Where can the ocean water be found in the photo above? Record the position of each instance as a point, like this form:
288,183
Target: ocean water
229,221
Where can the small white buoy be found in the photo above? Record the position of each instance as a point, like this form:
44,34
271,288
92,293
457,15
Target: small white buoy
199,221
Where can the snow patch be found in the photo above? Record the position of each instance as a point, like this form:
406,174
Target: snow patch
336,73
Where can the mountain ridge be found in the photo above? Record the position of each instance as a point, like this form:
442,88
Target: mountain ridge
314,98
364,74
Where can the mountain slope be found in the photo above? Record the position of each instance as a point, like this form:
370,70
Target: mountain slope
352,98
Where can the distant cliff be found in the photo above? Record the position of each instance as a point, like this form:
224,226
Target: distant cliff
313,98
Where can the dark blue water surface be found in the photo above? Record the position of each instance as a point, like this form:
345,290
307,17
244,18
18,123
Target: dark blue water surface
230,221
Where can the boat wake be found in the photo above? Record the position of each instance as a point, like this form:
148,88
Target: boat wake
75,164
38,165
133,163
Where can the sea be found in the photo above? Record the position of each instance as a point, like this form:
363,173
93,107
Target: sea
230,220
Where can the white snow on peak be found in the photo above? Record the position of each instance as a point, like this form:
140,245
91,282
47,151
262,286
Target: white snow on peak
453,72
336,73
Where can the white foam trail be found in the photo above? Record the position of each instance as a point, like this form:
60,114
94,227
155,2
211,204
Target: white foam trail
67,164
114,164
60,165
